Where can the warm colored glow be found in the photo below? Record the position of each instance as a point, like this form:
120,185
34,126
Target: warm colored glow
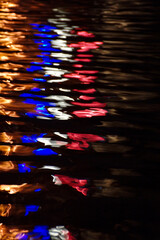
5,209
10,233
13,189
6,166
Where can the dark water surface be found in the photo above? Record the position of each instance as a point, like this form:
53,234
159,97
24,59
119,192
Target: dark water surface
79,116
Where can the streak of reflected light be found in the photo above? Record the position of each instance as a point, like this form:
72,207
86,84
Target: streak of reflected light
6,166
12,189
85,46
31,208
91,112
8,233
24,168
4,137
44,152
86,98
60,233
78,184
24,188
77,65
91,90
92,104
50,167
5,210
49,142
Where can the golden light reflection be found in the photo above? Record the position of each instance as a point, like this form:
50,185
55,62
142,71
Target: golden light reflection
4,137
5,210
10,66
6,166
24,188
10,233
9,4
8,75
5,104
3,58
5,150
8,150
11,16
11,108
5,100
12,189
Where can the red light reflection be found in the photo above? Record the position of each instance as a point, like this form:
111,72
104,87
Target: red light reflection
81,140
78,65
82,59
83,78
87,98
93,104
84,55
86,71
78,184
70,237
82,33
87,137
92,112
85,46
91,90
77,145
85,34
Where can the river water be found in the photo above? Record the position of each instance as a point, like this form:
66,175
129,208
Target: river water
79,116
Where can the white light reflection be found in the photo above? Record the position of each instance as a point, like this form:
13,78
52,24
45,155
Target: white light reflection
56,180
58,80
61,135
59,233
60,98
50,167
56,72
61,56
49,142
59,114
45,118
59,43
64,90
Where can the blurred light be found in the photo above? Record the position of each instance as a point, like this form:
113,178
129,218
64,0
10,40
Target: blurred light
23,168
44,152
31,208
92,112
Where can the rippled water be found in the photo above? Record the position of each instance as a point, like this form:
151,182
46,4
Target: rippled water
79,114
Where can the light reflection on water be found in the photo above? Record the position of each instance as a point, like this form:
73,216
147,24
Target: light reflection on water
77,105
39,232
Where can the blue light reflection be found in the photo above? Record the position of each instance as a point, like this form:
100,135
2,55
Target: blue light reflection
22,168
38,190
31,95
35,89
43,35
44,152
39,79
33,138
31,208
40,104
39,232
34,68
